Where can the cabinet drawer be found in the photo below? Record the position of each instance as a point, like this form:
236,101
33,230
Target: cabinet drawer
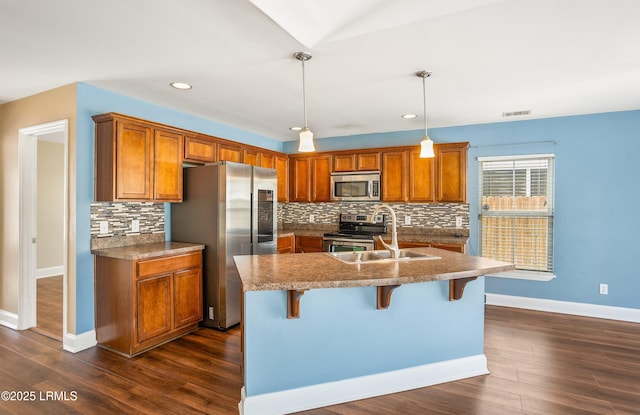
168,264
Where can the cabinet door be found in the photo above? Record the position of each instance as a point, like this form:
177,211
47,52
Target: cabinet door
167,170
285,244
300,179
394,176
422,184
408,244
344,162
134,154
187,294
268,160
368,161
451,162
229,152
153,307
321,173
451,247
199,149
308,244
251,156
282,166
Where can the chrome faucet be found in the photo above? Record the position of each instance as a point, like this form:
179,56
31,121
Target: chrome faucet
393,246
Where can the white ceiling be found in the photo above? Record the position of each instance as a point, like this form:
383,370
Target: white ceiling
553,57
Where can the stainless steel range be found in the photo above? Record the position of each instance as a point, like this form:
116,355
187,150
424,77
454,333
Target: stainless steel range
356,233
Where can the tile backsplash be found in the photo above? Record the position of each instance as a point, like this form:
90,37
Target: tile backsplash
120,215
433,215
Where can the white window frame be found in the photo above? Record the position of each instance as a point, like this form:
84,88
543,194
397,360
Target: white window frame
518,273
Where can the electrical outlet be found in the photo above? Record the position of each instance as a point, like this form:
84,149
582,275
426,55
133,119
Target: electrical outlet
604,289
135,225
312,218
104,227
458,221
407,220
211,313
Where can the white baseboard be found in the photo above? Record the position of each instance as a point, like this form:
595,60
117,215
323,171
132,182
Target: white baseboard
75,343
9,319
49,272
565,307
315,396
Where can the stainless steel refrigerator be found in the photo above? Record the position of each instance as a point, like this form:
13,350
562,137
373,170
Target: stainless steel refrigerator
231,208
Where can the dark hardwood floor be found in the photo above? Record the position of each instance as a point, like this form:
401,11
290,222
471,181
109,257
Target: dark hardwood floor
540,363
49,307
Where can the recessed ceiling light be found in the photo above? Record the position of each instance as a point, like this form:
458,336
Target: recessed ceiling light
181,85
295,128
409,116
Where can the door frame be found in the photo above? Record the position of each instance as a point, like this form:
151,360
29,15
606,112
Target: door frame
27,155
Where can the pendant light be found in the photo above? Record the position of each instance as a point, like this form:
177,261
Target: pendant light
306,135
426,145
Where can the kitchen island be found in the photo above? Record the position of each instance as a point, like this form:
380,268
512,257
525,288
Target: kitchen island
318,331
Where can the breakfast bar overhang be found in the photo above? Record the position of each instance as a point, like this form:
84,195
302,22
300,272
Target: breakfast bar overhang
341,345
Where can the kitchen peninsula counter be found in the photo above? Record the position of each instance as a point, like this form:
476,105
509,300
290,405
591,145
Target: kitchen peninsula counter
320,270
317,331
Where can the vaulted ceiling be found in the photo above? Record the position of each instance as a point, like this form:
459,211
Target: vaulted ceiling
552,57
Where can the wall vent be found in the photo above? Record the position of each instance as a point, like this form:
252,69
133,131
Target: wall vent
516,113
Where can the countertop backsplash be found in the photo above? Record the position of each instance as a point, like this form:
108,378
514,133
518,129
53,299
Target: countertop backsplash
433,215
119,217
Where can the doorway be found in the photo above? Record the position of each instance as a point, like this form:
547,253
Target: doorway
43,158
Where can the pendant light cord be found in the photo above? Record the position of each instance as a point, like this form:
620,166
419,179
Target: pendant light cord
304,94
424,97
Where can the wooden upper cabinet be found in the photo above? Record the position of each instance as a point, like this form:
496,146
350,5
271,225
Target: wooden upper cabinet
451,172
282,167
133,163
136,162
251,156
344,162
368,161
300,179
268,160
394,176
321,179
229,152
356,162
167,168
199,149
422,178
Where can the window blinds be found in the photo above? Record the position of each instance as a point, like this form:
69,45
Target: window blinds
516,210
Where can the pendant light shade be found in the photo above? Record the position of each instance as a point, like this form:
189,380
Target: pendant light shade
426,148
426,145
306,141
306,135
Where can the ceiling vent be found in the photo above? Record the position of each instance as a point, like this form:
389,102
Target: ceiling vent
516,113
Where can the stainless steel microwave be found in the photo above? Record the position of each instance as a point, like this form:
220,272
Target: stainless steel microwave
360,186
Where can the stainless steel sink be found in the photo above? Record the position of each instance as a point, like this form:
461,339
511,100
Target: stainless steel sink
382,255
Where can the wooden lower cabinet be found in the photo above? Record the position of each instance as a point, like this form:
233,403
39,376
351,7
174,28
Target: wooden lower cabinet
449,247
308,244
286,244
143,303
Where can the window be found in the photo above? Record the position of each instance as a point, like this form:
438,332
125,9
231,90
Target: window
516,212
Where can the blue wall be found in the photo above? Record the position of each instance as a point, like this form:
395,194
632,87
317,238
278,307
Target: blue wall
341,335
92,101
597,197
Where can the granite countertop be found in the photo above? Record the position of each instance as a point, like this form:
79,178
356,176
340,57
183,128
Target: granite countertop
320,270
150,250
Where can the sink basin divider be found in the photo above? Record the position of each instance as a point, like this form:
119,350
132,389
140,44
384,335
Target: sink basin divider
384,296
